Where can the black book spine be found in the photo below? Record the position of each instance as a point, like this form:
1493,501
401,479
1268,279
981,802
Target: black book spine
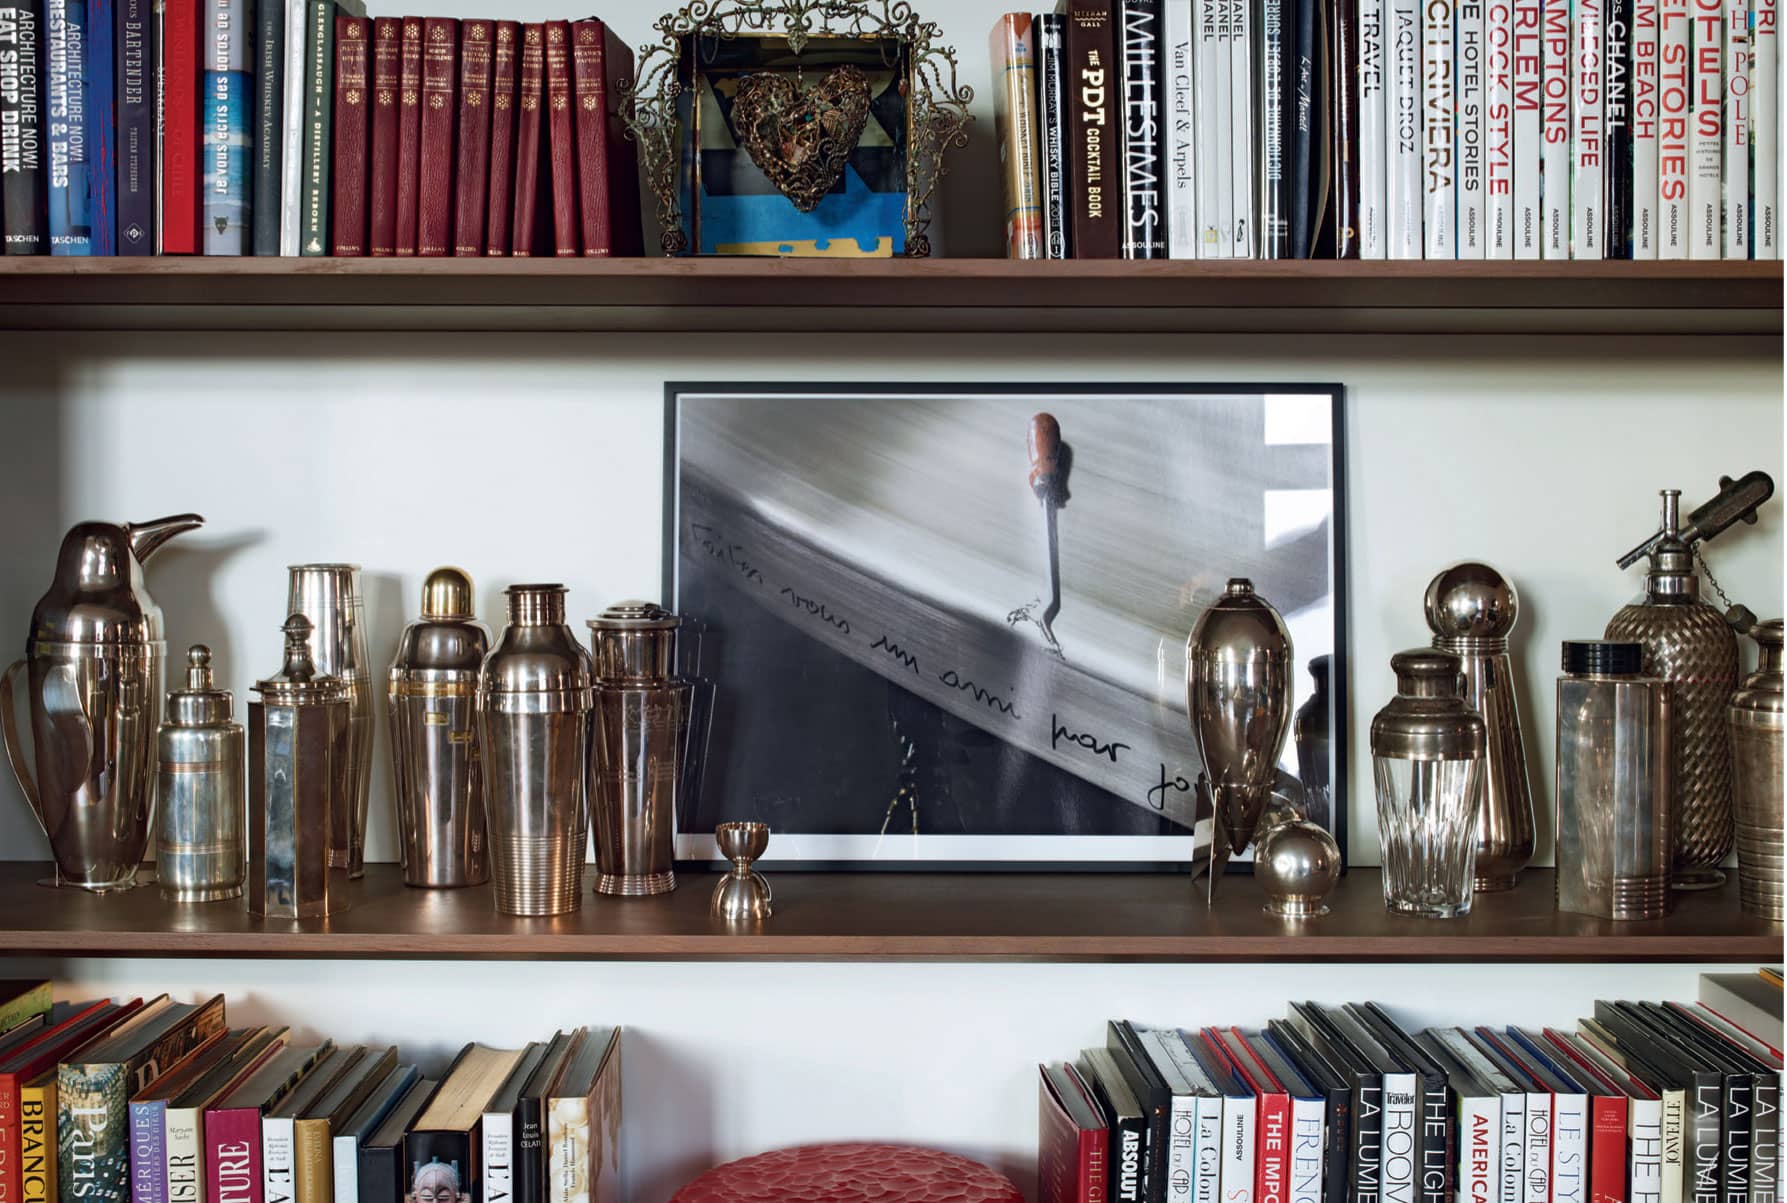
1343,75
1765,1138
269,128
1439,1149
1618,119
379,1177
1704,1113
1157,1105
530,1151
137,141
1097,142
1051,86
1274,216
1734,1175
23,195
1338,1106
1301,122
1138,33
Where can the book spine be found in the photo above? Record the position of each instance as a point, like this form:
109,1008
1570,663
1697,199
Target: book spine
530,100
434,202
1498,131
1401,1133
279,1173
101,108
1737,129
1307,1119
1765,75
1618,180
9,1112
1181,1150
499,200
1569,1148
1239,1145
1340,63
381,187
1374,129
496,1161
1645,124
148,1152
228,136
24,212
477,45
1702,1167
1588,148
1207,144
1222,84
1734,1176
1471,177
1179,42
1765,1138
39,1181
313,1167
1303,57
1438,104
1528,124
1405,194
69,194
1053,94
409,135
347,174
1479,1143
1243,129
92,1148
561,140
1012,47
1206,1183
1513,1169
1439,1145
530,1153
319,96
1272,1153
1706,130
1367,1161
345,1157
1675,74
1644,1172
1554,126
184,1155
1608,1166
1144,232
291,141
1275,222
235,1156
135,88
1538,1149
1097,141
264,199
1672,1118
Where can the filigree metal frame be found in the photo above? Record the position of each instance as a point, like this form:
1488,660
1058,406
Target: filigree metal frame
936,104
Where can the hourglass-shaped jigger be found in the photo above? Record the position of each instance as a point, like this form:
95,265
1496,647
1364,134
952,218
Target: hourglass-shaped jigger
743,896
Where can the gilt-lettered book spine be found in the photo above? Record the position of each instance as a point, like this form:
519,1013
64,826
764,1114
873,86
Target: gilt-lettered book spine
1499,168
1052,90
1439,99
1554,126
1473,223
1180,42
1274,215
1646,123
137,190
1529,128
1675,76
1406,195
1244,128
1617,73
1374,129
1737,129
1766,74
1096,154
319,106
1706,131
1210,118
1144,229
224,211
22,143
1588,134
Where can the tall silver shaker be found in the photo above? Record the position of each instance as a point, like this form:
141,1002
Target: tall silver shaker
1615,783
93,667
299,777
433,705
1756,747
636,758
533,739
1471,608
201,850
1238,668
329,596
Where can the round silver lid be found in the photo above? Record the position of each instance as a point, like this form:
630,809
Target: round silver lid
298,682
201,703
634,641
1428,719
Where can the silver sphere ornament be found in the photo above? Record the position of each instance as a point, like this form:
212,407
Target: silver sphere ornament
1471,600
1298,863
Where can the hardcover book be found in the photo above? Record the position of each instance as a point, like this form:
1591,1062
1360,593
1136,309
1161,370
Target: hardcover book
319,104
583,1150
1401,1163
1073,1141
70,186
477,50
1588,146
1210,142
1307,1135
1330,1081
1499,166
235,1161
1675,80
229,136
363,1126
1272,1151
1511,1173
530,1116
1617,121
499,201
561,140
496,1155
1053,96
1529,129
1305,117
1238,1169
1765,73
1570,1115
1645,126
1012,48
30,1060
294,88
440,1152
381,1176
135,91
1144,231
1365,1155
1690,1150
265,195
101,107
350,133
1437,1165
1468,175
280,1170
1169,1055
1405,195
1276,46
1738,89
1243,128
1554,170
1746,1001
1151,1090
440,80
24,196
530,135
382,156
183,1121
1627,1120
1096,146
148,1114
409,135
1123,1119
1439,102
1706,131
313,1136
1536,1140
1374,127
607,166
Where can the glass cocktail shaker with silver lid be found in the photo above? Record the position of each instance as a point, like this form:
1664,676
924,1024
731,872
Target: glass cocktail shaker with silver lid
200,846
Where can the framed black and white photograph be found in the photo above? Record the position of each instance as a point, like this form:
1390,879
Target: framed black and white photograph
939,625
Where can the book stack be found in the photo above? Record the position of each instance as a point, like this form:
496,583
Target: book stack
1390,129
301,127
1639,1103
161,1102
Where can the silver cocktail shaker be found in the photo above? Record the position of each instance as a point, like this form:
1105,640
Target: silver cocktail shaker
1756,748
299,777
641,726
533,738
1615,806
329,596
200,846
433,704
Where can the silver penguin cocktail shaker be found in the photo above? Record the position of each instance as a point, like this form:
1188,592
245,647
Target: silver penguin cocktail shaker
533,738
201,849
433,704
329,596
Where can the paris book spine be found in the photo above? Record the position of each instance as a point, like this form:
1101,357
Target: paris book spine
135,88
1765,75
1473,213
228,136
1706,130
22,187
1274,224
1209,113
1528,123
1675,79
1645,123
1439,99
1499,167
1617,76
1373,146
1013,56
1243,129
1052,90
1588,135
1179,39
1737,129
1554,126
1405,194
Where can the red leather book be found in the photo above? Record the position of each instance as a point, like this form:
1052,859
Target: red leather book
472,174
434,202
561,140
607,171
381,187
530,99
347,172
180,128
409,132
1072,1140
1609,1120
499,198
1272,1156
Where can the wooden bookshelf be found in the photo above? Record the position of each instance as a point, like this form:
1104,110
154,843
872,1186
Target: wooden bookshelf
876,296
886,916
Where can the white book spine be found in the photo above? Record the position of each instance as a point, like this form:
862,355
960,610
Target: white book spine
1706,131
1473,192
1765,93
1308,1137
1182,198
1674,1106
1644,1137
1237,1149
347,1169
1242,125
1398,1175
1554,129
1529,138
1374,225
1213,101
184,1154
291,148
497,1156
1479,1148
1404,194
278,1183
1513,1175
1737,129
1207,1184
1498,130
1675,74
1439,100
1182,1150
1646,123
1588,134
1538,1148
1569,1148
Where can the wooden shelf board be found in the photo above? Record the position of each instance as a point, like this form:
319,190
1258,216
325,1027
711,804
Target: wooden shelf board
886,916
935,296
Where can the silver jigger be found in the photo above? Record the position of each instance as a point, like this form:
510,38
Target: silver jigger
743,897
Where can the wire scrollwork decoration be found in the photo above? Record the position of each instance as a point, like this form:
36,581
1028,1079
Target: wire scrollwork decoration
936,104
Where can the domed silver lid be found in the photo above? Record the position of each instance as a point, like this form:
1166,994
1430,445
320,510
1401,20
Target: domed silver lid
1428,719
201,703
1471,607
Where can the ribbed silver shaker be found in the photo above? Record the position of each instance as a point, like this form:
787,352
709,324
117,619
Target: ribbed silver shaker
432,701
201,845
329,596
533,738
1756,747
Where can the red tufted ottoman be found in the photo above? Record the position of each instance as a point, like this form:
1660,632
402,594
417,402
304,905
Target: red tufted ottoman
851,1173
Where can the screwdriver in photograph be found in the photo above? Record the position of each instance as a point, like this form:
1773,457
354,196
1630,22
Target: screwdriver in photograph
1048,480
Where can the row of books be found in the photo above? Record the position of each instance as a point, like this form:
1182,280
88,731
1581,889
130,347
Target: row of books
300,127
1399,129
162,1102
1641,1103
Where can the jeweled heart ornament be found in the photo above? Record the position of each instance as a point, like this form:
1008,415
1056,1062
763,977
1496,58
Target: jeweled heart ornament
802,139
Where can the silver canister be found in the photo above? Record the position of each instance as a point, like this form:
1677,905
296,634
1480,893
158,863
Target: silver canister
1615,783
1756,746
636,757
329,596
201,848
432,700
299,774
533,739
